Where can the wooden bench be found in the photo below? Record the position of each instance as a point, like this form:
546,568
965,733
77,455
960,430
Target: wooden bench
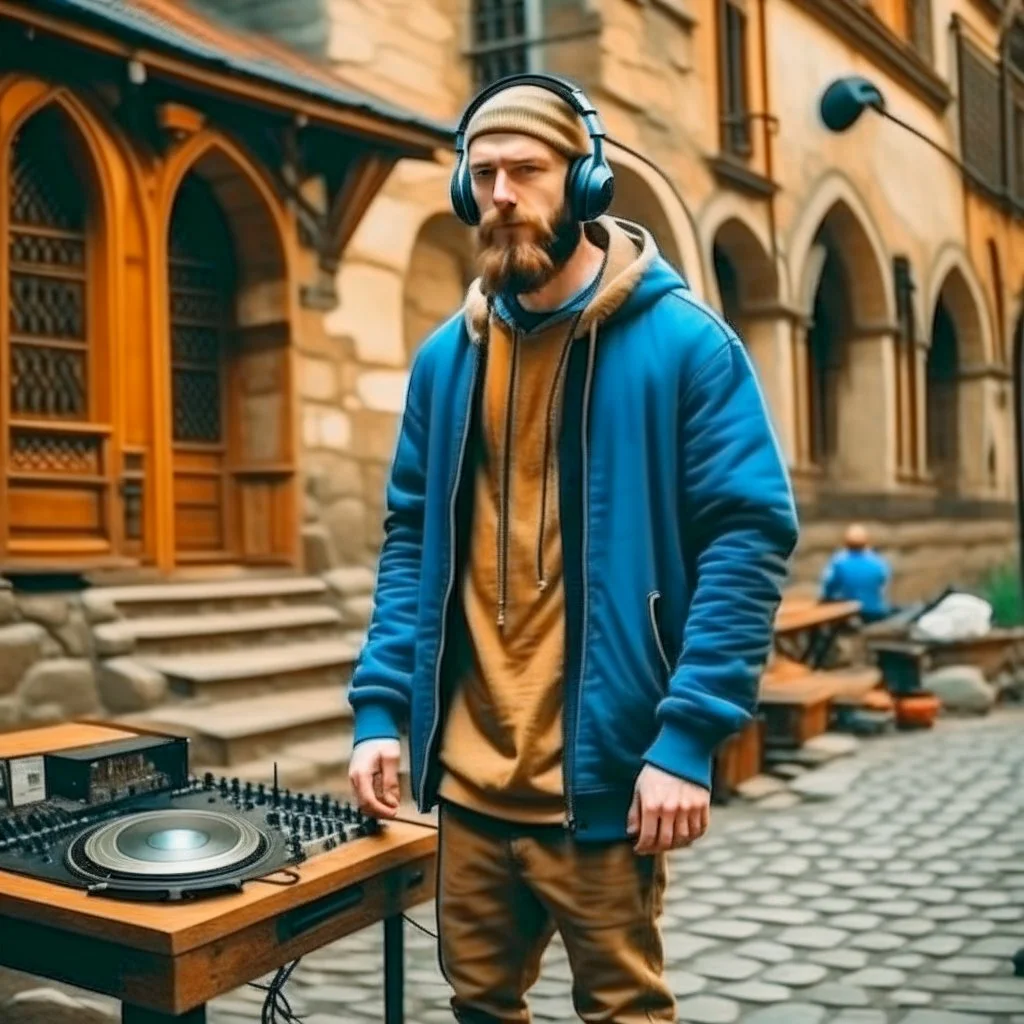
739,758
796,709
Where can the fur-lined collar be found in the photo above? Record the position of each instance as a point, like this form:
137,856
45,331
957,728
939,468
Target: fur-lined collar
631,251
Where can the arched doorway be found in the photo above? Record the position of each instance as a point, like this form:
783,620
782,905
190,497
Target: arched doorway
748,291
441,268
635,200
954,424
58,474
847,428
232,457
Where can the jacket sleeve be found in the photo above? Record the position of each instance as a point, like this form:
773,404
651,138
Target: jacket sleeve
381,683
739,525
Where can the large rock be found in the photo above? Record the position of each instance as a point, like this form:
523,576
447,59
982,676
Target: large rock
21,646
961,688
74,635
67,682
46,609
318,550
125,685
351,581
10,713
8,606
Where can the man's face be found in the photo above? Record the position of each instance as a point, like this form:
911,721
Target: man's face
525,235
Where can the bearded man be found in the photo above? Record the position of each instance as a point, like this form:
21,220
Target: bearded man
587,533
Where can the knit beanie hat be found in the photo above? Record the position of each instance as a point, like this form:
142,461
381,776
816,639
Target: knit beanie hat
535,111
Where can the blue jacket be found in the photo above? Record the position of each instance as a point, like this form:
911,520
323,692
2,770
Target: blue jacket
677,523
863,576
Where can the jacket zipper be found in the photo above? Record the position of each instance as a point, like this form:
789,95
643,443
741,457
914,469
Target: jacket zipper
450,583
550,433
652,599
585,487
506,476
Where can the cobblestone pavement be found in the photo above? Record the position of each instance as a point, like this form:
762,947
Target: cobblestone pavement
899,900
896,897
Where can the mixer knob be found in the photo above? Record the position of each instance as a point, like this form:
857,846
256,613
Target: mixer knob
318,828
325,805
261,794
307,826
273,817
223,786
288,799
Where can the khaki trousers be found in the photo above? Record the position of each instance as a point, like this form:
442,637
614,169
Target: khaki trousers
503,891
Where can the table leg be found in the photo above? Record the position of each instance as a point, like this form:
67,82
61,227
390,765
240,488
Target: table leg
394,970
139,1015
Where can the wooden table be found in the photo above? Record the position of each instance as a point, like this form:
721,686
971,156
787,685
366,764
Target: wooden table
165,961
818,621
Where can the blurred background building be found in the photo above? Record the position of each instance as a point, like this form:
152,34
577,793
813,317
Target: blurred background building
226,231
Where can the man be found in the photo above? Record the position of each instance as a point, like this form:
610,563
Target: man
587,532
858,573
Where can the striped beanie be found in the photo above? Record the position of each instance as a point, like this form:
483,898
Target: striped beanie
535,111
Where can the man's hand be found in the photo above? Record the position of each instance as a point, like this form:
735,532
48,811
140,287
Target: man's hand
667,812
373,773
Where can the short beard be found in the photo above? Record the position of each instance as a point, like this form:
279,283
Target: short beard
518,268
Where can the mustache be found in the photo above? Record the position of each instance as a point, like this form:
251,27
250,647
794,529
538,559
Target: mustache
541,228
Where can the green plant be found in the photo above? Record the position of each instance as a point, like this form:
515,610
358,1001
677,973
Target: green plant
1002,589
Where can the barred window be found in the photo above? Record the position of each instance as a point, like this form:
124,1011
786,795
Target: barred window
500,36
919,27
980,121
734,100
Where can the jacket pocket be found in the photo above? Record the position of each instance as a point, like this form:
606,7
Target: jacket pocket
653,599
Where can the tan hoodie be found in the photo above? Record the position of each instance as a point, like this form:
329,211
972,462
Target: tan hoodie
502,745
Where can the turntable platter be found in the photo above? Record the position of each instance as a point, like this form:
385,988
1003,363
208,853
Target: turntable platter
172,842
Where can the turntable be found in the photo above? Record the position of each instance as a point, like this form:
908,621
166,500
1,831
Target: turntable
126,820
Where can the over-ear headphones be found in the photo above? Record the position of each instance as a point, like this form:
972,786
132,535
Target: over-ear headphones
590,183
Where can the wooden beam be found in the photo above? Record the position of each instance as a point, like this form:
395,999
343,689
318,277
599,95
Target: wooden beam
363,180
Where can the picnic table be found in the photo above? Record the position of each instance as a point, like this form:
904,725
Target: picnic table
806,629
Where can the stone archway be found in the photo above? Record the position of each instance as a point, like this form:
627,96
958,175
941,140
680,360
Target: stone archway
440,270
747,284
635,200
846,376
957,397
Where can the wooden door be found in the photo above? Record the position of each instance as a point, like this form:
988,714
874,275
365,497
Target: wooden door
58,505
202,293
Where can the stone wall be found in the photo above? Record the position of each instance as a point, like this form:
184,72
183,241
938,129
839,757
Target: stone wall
46,671
926,556
52,668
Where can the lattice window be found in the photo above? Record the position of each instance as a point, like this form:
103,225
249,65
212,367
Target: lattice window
202,289
500,31
48,253
980,118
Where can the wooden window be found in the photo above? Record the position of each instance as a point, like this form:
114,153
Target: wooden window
49,338
981,127
918,14
734,101
500,35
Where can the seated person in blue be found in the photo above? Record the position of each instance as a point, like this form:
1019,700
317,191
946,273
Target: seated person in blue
858,573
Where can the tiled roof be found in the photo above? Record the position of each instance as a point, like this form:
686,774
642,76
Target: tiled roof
171,25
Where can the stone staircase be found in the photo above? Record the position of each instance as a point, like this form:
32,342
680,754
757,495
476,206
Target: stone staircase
253,670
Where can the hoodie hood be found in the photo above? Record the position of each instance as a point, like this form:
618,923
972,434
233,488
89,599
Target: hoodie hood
635,276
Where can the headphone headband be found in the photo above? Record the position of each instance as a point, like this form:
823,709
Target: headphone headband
569,91
589,182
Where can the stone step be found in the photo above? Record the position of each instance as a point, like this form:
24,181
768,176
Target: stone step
207,595
180,633
320,763
255,670
235,732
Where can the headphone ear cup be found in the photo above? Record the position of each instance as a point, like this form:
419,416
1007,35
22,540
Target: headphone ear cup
589,188
461,194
